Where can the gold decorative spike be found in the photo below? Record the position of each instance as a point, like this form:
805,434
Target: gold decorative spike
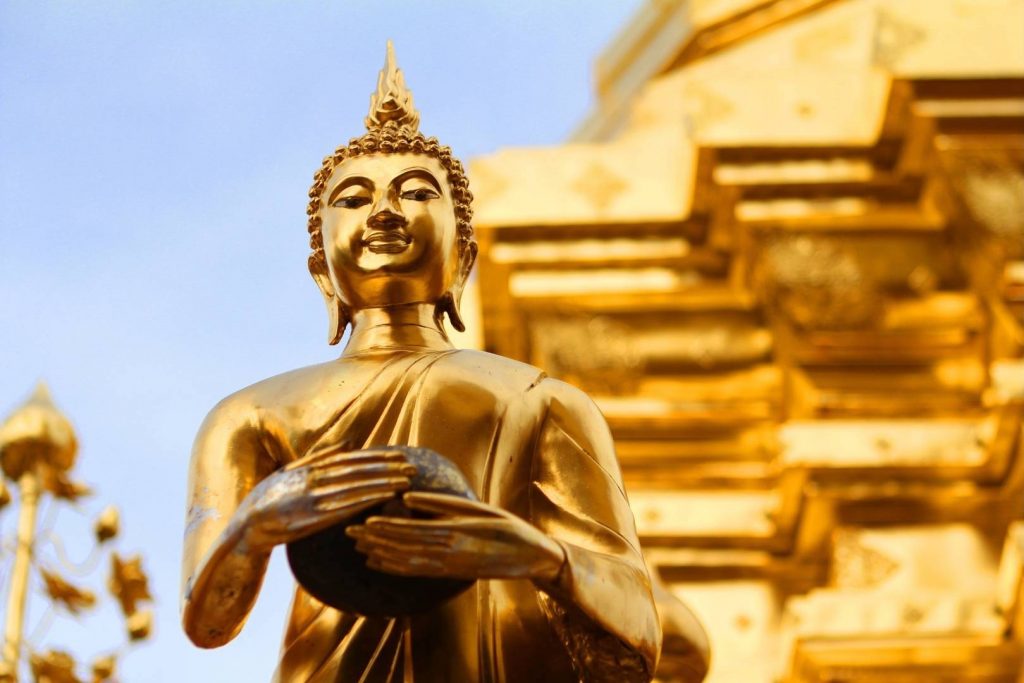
140,624
392,100
61,591
62,487
128,583
53,667
108,524
103,668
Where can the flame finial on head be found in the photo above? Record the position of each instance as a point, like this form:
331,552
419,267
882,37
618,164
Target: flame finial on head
393,100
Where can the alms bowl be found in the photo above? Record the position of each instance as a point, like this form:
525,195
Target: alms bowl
330,568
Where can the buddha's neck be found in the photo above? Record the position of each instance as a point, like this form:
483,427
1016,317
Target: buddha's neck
410,326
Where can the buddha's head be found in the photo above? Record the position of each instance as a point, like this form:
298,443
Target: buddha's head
390,216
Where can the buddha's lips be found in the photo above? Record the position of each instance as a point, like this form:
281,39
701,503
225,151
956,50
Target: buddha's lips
389,242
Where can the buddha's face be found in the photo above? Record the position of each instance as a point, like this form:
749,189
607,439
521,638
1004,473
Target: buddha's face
389,230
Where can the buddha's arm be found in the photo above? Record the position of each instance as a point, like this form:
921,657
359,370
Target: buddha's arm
242,504
601,603
221,574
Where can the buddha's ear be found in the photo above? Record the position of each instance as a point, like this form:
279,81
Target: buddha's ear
337,312
466,260
451,300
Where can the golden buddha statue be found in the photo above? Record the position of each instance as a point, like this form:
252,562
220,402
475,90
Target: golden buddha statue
558,587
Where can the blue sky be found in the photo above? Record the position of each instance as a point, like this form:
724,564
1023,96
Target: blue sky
154,162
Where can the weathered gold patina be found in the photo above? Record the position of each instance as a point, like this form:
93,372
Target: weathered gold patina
561,590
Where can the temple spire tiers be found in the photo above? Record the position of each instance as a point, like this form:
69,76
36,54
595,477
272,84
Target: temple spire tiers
785,255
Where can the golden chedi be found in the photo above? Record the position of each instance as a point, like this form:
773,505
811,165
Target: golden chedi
785,257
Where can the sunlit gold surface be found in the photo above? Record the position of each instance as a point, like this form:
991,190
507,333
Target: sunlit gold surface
783,254
561,591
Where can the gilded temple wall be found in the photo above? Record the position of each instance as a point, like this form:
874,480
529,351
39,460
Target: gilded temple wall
785,253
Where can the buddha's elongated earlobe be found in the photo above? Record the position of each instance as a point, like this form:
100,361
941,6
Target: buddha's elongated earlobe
449,303
338,317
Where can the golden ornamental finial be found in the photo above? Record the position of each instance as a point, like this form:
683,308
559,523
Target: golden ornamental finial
393,100
35,434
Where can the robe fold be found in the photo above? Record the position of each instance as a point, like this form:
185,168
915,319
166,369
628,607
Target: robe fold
526,443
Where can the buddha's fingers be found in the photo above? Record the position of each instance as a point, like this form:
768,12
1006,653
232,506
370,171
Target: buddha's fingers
343,497
331,515
319,455
367,455
376,546
409,566
395,483
397,532
379,547
442,525
444,504
325,476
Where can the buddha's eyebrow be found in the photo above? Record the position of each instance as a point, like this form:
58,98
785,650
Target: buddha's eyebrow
349,182
417,173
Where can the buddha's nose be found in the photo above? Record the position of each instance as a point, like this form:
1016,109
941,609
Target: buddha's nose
386,214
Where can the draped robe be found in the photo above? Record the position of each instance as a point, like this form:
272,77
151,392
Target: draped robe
531,445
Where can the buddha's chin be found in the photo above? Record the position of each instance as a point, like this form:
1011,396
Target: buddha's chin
388,262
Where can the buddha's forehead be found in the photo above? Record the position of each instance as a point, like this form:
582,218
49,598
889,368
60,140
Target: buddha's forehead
381,169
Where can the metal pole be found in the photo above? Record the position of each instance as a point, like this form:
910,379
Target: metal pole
28,484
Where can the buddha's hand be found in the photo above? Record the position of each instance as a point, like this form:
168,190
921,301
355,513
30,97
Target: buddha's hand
467,540
316,492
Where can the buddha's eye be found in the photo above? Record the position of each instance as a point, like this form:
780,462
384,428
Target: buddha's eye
420,194
352,202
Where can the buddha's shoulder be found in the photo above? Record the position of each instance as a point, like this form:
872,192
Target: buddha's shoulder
501,374
485,369
282,391
324,382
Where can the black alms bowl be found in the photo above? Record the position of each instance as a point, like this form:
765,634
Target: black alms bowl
330,568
